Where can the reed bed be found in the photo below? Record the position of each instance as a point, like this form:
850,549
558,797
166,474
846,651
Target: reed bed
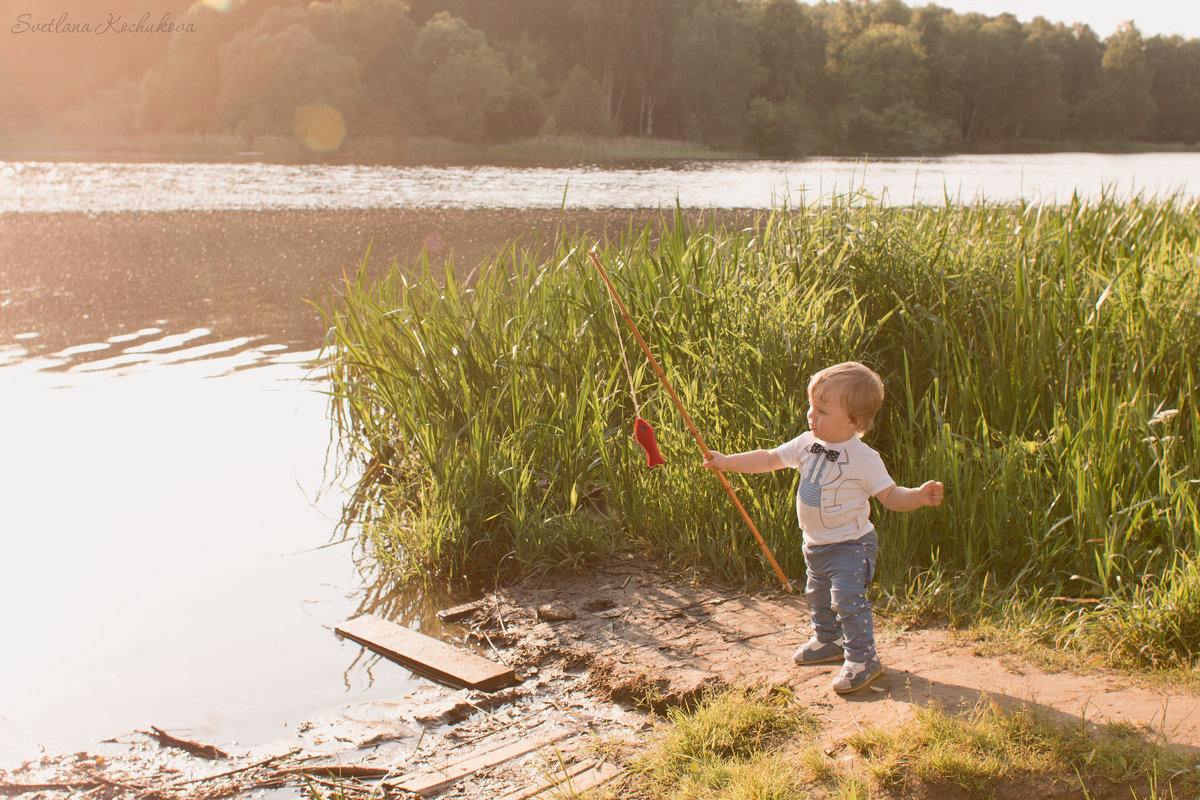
1041,361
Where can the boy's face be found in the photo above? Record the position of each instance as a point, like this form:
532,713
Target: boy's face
827,417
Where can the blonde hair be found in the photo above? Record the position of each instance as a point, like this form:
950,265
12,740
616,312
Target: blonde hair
862,391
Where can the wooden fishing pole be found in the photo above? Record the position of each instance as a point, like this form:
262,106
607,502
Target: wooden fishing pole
787,586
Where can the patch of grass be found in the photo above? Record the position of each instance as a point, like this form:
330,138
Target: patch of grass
991,745
728,748
742,745
732,724
1145,632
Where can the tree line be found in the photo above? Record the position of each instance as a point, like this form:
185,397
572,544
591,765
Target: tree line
767,77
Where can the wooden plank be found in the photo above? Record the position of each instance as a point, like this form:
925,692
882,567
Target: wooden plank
542,785
575,779
427,656
25,788
460,612
557,779
434,780
339,771
581,782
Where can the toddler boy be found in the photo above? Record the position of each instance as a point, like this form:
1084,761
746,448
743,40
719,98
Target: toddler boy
838,475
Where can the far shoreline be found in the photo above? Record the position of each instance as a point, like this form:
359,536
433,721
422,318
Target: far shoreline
542,151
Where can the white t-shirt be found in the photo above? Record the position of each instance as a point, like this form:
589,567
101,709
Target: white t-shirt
833,500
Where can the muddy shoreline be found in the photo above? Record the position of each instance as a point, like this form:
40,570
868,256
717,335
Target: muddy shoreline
601,653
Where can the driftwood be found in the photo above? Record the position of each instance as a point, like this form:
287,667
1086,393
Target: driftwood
93,781
341,788
431,780
460,612
13,789
487,751
338,771
232,772
195,748
129,787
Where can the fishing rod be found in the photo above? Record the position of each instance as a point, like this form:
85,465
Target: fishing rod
787,586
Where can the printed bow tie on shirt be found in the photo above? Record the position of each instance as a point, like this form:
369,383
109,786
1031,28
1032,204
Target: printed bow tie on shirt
830,455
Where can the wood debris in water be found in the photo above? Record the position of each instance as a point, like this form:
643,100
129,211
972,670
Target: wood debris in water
195,748
461,612
427,656
512,753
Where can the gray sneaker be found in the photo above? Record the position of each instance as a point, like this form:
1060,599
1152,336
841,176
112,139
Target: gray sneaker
818,652
855,676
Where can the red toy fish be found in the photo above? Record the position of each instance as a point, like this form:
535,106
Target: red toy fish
645,437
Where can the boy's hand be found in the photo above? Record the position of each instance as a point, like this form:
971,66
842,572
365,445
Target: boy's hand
931,493
716,462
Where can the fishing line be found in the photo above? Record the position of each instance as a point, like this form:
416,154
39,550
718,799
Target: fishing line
643,431
645,434
612,306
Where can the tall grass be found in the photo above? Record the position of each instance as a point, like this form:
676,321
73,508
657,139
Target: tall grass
1039,360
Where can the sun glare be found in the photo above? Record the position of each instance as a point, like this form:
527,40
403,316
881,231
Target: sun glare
320,127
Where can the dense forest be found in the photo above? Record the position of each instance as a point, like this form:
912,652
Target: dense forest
765,77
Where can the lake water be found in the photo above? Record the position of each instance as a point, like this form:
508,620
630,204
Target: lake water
168,552
95,187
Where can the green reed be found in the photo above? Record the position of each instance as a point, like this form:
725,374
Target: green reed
1039,360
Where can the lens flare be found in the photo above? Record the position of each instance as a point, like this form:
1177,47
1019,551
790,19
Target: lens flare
433,242
218,5
320,127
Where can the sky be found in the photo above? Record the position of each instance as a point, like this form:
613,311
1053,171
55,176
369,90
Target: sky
1151,17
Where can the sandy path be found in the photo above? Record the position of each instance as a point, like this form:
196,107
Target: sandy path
649,630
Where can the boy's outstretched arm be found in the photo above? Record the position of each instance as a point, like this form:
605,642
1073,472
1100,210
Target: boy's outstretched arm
750,461
902,498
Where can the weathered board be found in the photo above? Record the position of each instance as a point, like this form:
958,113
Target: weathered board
434,780
427,656
571,781
460,612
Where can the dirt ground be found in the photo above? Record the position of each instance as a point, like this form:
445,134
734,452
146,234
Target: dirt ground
600,654
639,628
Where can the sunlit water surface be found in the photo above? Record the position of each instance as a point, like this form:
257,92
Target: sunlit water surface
169,556
1054,177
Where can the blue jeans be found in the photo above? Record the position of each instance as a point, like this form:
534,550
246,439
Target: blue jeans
838,577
